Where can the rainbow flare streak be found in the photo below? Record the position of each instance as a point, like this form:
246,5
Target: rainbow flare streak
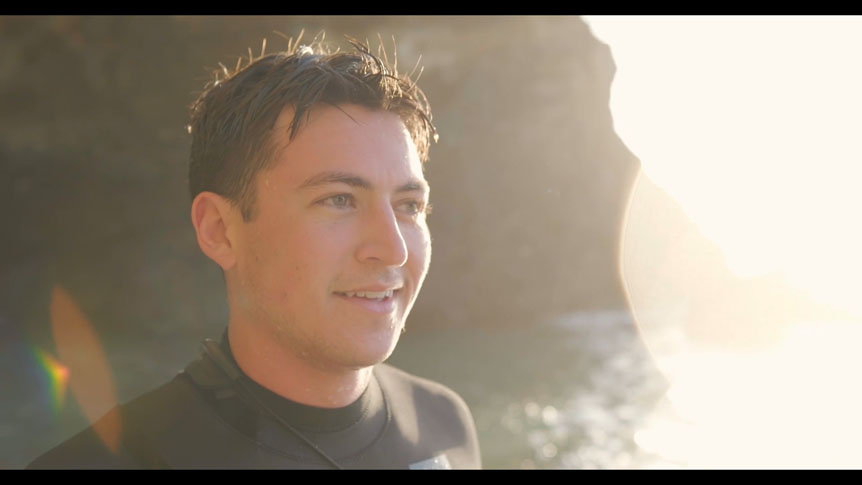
58,378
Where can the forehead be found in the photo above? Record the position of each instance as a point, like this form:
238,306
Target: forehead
347,138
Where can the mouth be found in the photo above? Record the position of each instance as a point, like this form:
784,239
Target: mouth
383,301
370,295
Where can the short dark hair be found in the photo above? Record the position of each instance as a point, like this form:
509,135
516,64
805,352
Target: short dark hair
232,120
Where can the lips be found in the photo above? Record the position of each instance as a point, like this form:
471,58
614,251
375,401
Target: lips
382,301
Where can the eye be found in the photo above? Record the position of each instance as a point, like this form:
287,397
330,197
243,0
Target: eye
415,207
339,201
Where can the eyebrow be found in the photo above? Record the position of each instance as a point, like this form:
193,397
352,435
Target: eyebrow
325,178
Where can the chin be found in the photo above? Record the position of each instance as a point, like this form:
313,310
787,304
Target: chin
377,349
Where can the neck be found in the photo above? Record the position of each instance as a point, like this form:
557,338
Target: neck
262,357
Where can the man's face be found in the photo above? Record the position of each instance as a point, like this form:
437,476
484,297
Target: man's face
338,248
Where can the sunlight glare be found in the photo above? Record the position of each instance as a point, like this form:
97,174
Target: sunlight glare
750,125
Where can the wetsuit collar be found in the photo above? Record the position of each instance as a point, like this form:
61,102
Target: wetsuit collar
309,418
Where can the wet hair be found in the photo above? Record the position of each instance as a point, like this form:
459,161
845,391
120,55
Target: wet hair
232,121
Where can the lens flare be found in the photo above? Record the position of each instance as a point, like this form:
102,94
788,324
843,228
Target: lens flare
89,374
58,378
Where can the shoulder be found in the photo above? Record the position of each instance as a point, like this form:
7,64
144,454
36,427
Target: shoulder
116,440
87,449
425,410
402,386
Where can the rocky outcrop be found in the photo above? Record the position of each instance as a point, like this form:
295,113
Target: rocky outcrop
529,180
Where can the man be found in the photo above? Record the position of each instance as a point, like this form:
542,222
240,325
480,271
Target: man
308,191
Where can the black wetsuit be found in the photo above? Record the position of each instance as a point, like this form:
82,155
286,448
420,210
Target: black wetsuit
212,415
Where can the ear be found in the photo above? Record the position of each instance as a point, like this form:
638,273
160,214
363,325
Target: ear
213,217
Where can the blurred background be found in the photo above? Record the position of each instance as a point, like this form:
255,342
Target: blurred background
696,305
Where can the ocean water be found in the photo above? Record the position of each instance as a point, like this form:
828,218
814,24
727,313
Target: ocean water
571,393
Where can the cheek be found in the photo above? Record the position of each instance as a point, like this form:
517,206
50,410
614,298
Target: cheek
419,246
278,264
308,259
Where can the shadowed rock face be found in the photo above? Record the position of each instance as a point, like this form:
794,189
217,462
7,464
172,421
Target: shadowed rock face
529,180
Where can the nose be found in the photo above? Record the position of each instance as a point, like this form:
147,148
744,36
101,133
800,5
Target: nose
382,240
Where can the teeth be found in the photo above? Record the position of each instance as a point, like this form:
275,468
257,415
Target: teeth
372,295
